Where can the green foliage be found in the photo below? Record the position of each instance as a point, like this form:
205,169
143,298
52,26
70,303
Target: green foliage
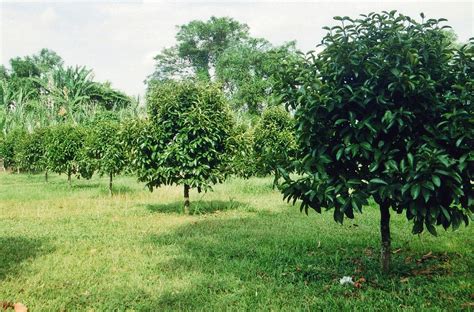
243,154
65,148
38,91
274,142
199,46
188,138
104,149
221,50
170,66
386,111
30,150
2,140
25,71
24,67
452,38
10,146
73,94
16,107
20,151
201,43
5,151
3,73
131,133
247,71
47,61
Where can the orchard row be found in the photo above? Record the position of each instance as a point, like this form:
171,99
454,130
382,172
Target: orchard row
384,112
190,138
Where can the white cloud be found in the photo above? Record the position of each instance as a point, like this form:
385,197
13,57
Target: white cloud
48,16
148,58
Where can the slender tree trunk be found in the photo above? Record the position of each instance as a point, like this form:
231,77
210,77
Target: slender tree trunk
186,199
46,175
277,177
69,177
385,234
110,184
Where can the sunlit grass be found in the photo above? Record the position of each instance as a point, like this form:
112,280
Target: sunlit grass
242,248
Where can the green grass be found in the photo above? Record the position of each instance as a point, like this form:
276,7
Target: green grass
242,248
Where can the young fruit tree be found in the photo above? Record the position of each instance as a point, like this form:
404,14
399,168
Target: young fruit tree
274,142
9,147
187,141
64,149
385,111
104,149
243,155
31,151
130,136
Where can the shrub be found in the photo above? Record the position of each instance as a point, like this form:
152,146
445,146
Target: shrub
30,153
274,142
64,149
104,150
188,139
243,154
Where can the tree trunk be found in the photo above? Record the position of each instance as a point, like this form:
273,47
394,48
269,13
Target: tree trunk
385,233
110,184
46,175
186,199
69,177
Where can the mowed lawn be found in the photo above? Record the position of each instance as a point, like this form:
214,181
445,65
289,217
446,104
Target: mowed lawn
243,248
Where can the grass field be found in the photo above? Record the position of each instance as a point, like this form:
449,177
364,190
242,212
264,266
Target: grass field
243,248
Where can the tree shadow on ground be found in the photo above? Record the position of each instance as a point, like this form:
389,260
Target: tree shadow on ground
116,190
122,189
84,185
250,259
16,250
197,207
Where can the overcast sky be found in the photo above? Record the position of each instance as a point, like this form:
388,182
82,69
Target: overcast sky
118,39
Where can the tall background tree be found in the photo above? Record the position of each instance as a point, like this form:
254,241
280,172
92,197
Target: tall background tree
221,50
199,46
385,112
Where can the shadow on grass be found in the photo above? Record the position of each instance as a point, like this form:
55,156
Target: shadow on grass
15,250
83,185
197,207
244,262
235,259
122,189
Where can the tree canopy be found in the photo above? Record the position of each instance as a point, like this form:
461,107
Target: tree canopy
104,149
187,141
221,50
385,112
64,149
199,46
274,142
